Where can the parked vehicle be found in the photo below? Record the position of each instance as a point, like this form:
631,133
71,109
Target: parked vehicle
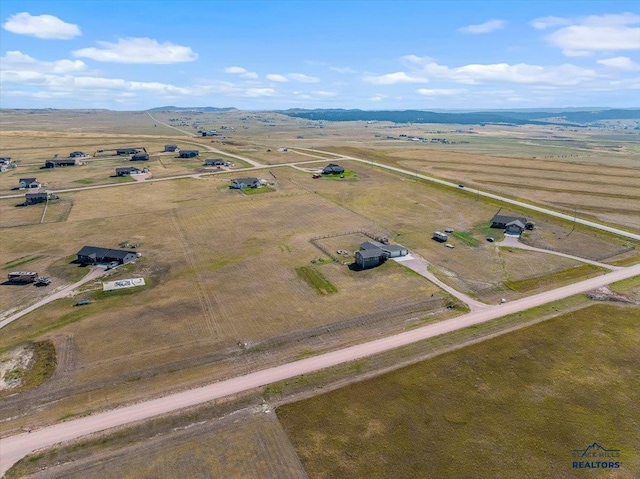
83,302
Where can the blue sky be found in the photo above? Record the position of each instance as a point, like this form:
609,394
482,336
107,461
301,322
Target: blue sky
134,55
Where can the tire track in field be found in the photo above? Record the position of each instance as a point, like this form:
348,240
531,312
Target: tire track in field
211,324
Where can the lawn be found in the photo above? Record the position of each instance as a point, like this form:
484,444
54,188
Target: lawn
316,280
513,406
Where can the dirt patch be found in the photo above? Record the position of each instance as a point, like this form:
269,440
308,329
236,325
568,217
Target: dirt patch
13,365
605,294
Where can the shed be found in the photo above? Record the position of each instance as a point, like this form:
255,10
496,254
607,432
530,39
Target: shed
170,148
333,169
438,236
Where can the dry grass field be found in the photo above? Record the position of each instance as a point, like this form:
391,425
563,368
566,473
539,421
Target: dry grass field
224,291
513,406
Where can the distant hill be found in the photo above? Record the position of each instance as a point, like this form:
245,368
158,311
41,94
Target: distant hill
538,117
195,108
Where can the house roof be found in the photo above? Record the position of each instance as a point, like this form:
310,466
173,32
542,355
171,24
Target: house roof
333,167
171,146
370,253
517,223
507,219
367,245
127,168
43,194
371,245
98,252
27,180
247,181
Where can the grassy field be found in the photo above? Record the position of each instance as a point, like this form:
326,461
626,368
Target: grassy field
225,294
515,406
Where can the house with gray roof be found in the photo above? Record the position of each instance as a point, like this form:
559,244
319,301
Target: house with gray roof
373,253
332,169
28,183
240,183
516,222
96,255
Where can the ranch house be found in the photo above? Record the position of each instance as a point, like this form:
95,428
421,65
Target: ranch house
141,156
170,148
35,198
128,171
188,153
516,222
373,253
30,183
214,162
95,255
59,163
240,183
333,169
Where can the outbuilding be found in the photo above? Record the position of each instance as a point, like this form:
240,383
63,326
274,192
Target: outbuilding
170,148
441,237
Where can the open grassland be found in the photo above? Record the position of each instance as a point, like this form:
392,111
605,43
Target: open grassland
603,191
241,445
412,210
222,283
513,406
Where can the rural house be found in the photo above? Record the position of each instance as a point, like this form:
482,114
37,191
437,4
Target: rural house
128,171
240,183
62,162
29,183
170,148
333,169
214,162
140,156
374,253
502,221
95,255
188,153
127,151
35,198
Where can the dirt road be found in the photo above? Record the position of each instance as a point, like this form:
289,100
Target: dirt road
475,191
63,293
13,448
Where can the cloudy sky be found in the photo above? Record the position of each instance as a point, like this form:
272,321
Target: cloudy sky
133,55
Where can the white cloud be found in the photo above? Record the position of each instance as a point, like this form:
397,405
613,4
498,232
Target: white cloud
343,70
377,97
596,33
259,92
301,77
138,50
326,94
277,78
622,63
440,91
41,26
423,68
547,22
242,72
15,60
486,27
393,78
